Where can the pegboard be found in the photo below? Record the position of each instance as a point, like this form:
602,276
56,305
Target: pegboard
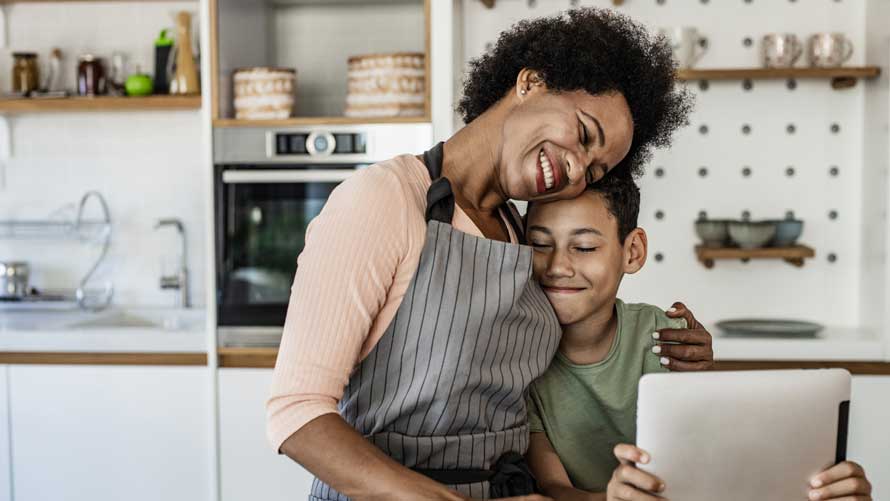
759,149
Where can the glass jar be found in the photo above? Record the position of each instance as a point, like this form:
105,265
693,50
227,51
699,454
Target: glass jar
25,73
90,76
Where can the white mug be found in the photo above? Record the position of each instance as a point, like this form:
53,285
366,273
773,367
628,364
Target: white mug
829,50
687,44
780,50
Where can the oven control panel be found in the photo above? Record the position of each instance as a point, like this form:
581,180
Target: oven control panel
319,143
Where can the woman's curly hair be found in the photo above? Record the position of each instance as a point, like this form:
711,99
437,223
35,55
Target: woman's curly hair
595,50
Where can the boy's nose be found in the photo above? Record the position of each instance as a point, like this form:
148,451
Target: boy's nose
560,266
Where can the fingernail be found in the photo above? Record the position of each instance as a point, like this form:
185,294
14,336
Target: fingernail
815,482
656,335
814,495
672,310
644,458
656,349
665,361
660,487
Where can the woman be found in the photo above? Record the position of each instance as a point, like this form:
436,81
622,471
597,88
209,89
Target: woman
414,325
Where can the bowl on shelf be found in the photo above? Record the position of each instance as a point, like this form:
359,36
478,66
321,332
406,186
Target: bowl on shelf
787,232
752,234
712,232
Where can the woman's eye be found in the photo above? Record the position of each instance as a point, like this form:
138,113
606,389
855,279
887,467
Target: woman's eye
590,177
584,137
537,245
585,249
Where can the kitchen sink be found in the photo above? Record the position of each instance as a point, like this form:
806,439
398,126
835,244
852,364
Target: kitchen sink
164,319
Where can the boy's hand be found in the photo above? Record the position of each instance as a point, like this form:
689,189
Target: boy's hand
842,481
694,353
630,483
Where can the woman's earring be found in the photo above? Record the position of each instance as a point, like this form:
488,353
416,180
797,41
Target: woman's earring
522,91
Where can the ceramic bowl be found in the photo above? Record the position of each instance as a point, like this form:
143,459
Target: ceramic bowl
712,232
787,232
752,235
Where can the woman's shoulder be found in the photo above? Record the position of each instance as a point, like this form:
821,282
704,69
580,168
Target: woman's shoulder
399,181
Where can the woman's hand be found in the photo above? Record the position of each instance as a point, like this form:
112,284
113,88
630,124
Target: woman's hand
844,481
694,353
630,483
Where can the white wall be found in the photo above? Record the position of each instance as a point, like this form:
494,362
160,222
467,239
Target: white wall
821,291
147,164
877,165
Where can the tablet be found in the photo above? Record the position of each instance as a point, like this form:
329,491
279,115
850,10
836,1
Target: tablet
742,435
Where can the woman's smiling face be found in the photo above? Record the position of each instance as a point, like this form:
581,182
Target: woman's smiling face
555,143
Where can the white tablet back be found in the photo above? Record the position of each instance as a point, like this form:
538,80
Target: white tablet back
742,435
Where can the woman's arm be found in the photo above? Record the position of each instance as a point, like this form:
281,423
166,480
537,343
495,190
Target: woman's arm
551,474
336,453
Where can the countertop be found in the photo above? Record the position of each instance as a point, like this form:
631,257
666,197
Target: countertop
859,351
832,344
121,331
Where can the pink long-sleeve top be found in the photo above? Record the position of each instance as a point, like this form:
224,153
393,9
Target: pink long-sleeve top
360,254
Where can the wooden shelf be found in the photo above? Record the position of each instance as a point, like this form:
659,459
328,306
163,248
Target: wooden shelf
99,103
302,121
792,255
841,78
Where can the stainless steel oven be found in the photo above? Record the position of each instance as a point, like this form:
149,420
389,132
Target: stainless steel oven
269,185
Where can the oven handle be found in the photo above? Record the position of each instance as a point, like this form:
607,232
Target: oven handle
286,176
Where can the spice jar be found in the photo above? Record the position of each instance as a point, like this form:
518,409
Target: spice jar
25,73
90,76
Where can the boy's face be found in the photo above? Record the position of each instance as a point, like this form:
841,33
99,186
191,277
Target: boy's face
578,257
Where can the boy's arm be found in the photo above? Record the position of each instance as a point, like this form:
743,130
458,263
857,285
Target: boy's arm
551,474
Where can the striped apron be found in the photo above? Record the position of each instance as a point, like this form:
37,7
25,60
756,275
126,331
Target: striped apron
443,391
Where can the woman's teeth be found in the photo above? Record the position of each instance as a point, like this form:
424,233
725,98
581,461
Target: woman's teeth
547,169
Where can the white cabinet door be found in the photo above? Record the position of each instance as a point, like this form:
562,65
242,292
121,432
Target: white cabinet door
249,469
5,479
96,433
869,439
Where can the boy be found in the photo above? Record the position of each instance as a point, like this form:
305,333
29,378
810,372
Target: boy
585,404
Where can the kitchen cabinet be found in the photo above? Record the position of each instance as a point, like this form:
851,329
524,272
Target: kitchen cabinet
869,438
249,468
5,480
109,432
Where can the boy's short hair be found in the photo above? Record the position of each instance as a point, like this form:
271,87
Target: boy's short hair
622,197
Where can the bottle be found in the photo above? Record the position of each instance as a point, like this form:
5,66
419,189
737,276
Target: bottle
185,78
163,46
25,72
90,76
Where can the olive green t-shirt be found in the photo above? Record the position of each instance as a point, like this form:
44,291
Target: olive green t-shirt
587,409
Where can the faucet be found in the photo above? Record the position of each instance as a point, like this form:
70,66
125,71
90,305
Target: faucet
180,281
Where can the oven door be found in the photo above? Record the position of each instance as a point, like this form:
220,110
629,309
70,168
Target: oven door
261,218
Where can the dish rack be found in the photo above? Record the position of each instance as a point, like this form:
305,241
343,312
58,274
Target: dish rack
78,228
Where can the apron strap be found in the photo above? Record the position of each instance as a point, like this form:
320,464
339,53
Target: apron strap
440,197
515,221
